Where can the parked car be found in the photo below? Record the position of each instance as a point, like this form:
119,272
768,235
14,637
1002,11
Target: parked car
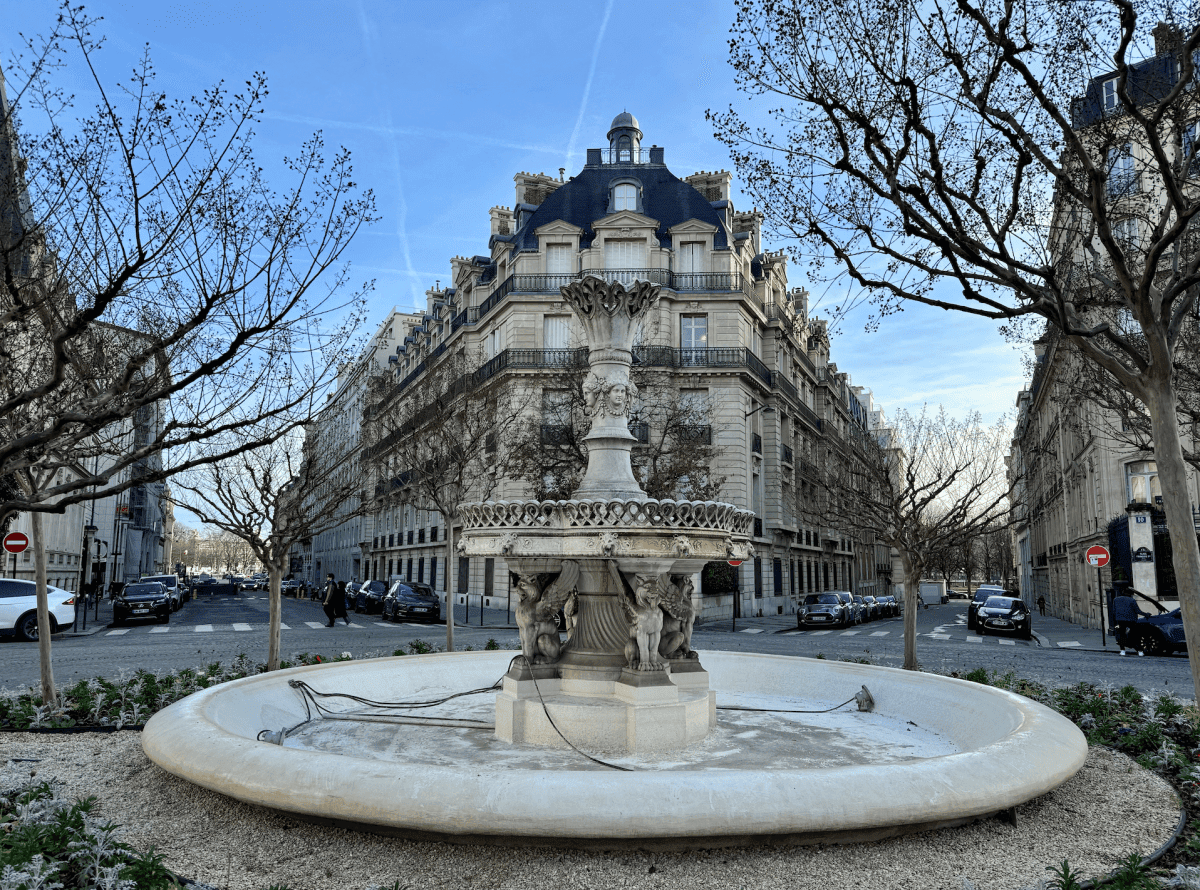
875,610
956,593
404,602
981,595
1004,614
143,600
174,590
822,610
368,597
289,587
891,606
18,608
853,609
1160,634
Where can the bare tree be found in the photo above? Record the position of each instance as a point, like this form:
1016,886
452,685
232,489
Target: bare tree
928,484
1005,160
269,499
445,442
674,457
146,265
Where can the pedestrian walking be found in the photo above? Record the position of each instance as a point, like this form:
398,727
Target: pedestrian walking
1041,605
329,601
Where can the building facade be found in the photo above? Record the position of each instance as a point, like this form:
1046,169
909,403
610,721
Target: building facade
728,332
1084,469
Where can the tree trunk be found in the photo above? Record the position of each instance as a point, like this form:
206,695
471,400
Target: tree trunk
1172,473
447,575
49,693
275,615
912,602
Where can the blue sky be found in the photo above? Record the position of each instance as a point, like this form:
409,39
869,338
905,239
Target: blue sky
441,103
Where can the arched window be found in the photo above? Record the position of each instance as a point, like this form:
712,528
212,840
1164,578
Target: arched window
624,150
625,196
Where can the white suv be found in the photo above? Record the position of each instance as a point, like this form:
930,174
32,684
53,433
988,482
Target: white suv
18,608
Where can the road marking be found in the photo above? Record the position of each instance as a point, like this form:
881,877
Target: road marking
1008,642
751,630
820,633
974,639
939,636
1070,644
881,633
792,633
850,633
159,630
241,626
203,629
315,624
118,632
283,626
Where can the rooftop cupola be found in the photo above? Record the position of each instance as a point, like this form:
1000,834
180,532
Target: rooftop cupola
624,139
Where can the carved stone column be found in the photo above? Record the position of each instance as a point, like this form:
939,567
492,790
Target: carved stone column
610,315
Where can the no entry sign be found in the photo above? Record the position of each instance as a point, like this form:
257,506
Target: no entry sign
16,542
1097,556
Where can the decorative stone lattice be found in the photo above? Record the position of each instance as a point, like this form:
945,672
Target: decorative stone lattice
611,514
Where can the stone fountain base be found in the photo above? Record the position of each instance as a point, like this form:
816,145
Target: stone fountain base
934,752
640,713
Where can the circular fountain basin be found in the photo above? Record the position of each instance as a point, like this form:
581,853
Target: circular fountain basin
934,752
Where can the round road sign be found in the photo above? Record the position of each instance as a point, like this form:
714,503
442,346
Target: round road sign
16,542
1097,556
735,562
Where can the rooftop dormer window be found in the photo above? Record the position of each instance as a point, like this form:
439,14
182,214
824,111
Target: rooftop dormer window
625,196
1111,100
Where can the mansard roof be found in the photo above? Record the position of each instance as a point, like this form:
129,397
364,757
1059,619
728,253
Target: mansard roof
584,199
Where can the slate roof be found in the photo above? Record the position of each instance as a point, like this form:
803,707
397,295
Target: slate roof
584,199
1149,81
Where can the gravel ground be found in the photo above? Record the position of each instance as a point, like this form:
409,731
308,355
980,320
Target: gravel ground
1111,808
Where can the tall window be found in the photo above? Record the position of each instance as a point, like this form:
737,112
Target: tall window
625,196
1111,100
1190,165
494,342
624,150
556,331
693,338
1126,232
559,260
1122,177
690,257
1143,482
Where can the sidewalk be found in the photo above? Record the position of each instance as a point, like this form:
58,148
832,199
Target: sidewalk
1054,633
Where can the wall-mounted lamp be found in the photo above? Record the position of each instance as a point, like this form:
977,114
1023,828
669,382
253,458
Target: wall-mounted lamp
765,409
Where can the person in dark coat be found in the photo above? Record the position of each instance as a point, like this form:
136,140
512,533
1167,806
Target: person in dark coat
341,602
329,601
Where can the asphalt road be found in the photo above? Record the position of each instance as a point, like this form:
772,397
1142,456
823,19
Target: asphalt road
223,627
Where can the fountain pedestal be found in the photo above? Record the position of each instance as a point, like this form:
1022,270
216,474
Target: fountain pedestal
617,563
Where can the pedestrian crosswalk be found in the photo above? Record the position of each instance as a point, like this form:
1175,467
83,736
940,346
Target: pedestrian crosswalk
972,638
243,627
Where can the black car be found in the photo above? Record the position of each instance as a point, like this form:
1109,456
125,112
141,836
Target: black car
981,595
874,607
404,603
368,597
822,610
142,601
1004,614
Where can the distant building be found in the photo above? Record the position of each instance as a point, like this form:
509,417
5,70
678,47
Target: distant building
727,329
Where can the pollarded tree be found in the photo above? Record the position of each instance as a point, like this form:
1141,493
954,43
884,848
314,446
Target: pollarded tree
926,485
1008,160
444,441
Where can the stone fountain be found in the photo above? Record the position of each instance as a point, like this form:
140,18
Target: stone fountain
785,763
617,563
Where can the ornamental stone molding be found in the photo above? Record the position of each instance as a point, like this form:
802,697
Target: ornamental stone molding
648,514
